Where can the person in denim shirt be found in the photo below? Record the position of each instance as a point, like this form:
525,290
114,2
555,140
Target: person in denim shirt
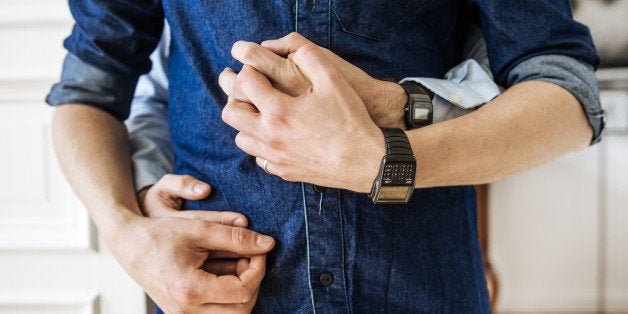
336,251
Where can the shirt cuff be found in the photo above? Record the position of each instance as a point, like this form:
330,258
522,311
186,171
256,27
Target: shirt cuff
83,83
463,89
573,75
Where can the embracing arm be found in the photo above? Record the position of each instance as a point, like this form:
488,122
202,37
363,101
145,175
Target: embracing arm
92,148
92,144
531,123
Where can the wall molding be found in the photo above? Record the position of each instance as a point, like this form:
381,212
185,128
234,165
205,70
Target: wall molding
43,301
34,13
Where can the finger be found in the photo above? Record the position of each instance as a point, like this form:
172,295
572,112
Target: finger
214,236
227,81
183,186
262,59
209,288
264,164
259,89
241,116
242,265
317,68
221,267
287,44
281,72
225,254
232,308
225,218
251,145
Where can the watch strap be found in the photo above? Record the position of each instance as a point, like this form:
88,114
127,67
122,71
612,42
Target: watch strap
396,142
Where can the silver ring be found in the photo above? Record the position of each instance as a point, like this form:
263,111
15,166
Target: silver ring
265,166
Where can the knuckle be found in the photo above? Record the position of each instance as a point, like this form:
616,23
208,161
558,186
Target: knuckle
293,36
183,294
241,141
284,174
247,50
186,179
275,142
276,119
166,178
180,310
245,295
228,114
239,236
194,229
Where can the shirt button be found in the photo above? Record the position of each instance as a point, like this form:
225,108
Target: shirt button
326,279
320,189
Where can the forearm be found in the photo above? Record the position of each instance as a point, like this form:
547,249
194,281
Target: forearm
529,124
92,148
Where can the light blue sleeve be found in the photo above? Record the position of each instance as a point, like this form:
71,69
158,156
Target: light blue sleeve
466,86
151,150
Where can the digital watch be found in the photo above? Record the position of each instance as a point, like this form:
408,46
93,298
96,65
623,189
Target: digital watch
419,110
395,181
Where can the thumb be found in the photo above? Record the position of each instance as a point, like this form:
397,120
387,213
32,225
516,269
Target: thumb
219,237
182,186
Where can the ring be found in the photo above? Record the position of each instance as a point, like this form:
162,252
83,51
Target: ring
265,166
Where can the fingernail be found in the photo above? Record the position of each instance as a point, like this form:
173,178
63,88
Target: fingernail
263,241
199,188
239,222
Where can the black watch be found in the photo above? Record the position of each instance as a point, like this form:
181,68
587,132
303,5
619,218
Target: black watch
395,181
419,108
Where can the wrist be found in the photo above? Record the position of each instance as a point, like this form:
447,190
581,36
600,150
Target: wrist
375,149
115,221
387,104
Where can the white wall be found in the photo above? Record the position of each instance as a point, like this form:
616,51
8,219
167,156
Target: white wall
50,258
559,233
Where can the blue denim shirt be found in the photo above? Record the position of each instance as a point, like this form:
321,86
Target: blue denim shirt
423,257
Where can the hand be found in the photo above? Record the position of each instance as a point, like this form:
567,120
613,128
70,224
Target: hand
385,101
324,136
193,261
165,198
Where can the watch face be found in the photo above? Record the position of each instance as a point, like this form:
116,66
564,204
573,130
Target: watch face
422,114
393,193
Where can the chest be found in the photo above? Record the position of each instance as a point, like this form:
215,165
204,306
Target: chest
387,38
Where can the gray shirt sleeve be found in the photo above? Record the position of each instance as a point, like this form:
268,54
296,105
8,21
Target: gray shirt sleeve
573,75
151,150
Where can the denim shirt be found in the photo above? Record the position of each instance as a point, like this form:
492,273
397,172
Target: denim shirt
336,251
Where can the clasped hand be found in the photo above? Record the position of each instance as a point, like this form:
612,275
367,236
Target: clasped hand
310,115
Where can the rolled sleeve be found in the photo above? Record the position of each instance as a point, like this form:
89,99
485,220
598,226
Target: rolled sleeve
108,49
83,83
573,75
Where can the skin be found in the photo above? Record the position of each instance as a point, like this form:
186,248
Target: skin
166,253
530,124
